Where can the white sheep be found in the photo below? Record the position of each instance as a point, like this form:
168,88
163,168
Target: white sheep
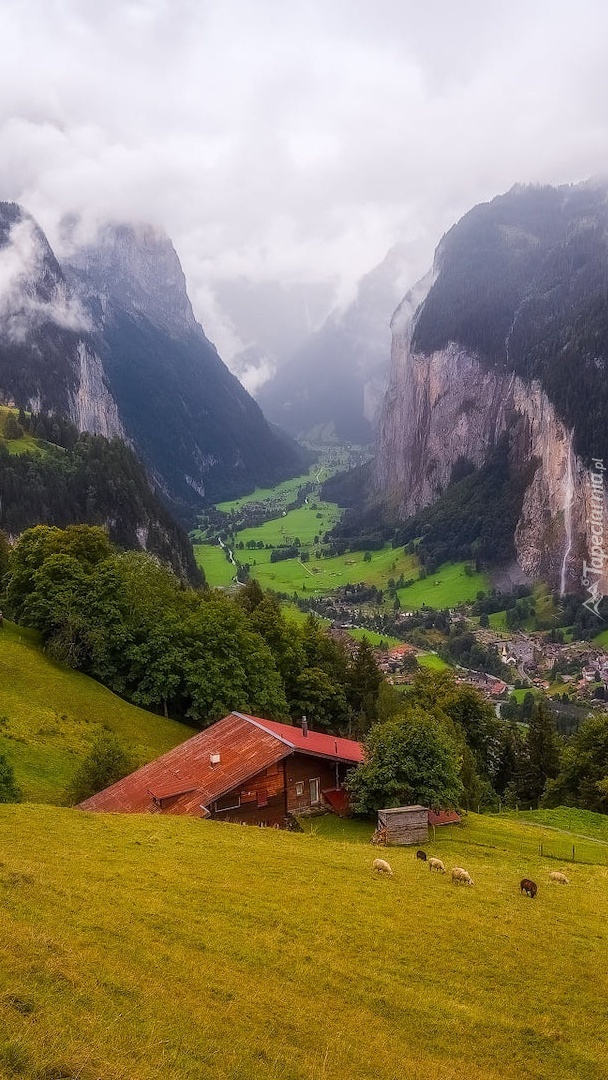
461,877
436,864
382,867
557,876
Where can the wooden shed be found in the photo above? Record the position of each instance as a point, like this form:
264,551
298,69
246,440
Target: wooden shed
405,824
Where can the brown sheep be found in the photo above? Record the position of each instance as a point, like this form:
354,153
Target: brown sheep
529,888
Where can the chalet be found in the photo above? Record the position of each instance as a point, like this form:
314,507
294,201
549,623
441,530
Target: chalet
241,769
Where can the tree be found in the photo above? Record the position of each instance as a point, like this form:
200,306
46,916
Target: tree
583,772
410,759
10,791
12,427
364,680
106,762
543,751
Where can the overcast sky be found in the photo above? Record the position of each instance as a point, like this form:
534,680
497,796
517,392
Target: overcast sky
290,141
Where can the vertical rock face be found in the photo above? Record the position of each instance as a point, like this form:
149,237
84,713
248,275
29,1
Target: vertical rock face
197,429
48,361
454,392
334,383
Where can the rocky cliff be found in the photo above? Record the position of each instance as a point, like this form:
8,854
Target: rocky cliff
48,356
333,384
505,340
201,435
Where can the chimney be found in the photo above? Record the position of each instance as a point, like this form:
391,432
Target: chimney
304,727
214,759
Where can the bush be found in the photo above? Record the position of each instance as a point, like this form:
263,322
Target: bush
10,791
106,763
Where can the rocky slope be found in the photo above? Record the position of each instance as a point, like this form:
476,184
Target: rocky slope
509,338
333,384
48,356
199,432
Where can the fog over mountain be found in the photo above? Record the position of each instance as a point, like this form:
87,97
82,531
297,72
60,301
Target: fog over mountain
286,148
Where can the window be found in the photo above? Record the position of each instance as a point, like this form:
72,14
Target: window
228,802
315,792
262,797
300,788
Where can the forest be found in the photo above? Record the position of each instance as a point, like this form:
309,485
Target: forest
86,478
196,654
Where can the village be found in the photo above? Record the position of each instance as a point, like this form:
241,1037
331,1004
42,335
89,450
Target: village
574,672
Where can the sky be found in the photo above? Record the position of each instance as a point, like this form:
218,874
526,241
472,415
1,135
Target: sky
284,146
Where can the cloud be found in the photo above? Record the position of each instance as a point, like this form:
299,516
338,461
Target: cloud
295,143
27,298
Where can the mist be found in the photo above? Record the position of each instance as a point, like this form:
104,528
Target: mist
286,148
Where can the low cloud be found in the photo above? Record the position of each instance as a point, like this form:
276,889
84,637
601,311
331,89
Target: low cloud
294,143
28,297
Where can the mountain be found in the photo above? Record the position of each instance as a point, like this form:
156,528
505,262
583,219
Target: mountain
50,474
48,356
332,385
199,432
499,370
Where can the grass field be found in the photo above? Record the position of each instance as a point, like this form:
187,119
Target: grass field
302,524
50,715
601,639
186,950
374,638
447,587
26,444
325,575
432,661
219,572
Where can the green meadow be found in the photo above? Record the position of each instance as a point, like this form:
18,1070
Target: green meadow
448,586
141,948
50,715
26,444
219,571
432,661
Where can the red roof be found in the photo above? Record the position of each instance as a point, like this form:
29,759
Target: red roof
443,817
185,781
315,742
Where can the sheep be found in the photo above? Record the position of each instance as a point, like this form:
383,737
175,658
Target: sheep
530,888
558,877
421,855
461,877
382,867
436,864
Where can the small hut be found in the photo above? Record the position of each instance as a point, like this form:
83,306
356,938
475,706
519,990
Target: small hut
405,824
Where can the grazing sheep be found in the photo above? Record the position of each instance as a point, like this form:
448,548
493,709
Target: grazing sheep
557,876
436,864
461,877
530,888
421,855
382,866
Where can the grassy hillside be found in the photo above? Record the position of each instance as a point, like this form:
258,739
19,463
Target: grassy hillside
185,950
27,444
448,586
50,715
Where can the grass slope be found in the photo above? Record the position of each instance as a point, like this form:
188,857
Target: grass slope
50,715
447,587
186,950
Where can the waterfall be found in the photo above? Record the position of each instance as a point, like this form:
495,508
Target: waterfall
568,500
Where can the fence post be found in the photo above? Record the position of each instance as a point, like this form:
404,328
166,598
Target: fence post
573,858
541,848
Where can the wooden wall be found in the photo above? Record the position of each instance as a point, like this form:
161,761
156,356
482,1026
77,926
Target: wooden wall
278,788
405,825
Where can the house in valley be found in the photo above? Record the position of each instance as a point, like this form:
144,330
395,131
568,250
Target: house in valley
242,769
